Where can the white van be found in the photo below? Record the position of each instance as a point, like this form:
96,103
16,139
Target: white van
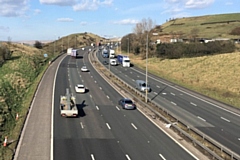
141,86
112,53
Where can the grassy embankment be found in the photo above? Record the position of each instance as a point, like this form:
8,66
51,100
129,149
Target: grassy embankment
19,78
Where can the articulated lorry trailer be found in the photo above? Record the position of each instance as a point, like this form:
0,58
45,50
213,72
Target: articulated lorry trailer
68,107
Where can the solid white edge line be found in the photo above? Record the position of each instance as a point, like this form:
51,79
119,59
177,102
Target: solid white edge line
53,95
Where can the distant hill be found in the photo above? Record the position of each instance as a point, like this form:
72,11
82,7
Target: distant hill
208,26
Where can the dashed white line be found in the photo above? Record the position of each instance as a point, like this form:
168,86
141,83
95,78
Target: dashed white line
92,156
162,156
100,88
225,119
131,72
125,75
95,81
133,80
90,95
239,139
108,126
133,126
155,92
174,103
80,76
158,86
108,97
128,157
172,94
201,119
164,93
97,108
117,108
81,125
193,104
138,76
82,80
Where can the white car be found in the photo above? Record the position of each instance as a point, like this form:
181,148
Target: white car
80,88
84,69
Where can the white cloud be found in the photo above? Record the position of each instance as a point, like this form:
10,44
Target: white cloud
65,20
126,22
59,2
13,8
4,29
91,4
83,23
198,3
37,11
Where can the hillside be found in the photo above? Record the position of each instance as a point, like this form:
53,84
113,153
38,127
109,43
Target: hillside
208,26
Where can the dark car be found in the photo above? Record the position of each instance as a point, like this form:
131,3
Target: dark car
105,62
126,103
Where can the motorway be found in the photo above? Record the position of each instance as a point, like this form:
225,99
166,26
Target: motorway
103,130
212,118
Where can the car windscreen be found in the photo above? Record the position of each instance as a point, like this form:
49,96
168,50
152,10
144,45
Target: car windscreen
128,102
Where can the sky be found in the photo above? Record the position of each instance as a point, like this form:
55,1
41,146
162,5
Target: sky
40,20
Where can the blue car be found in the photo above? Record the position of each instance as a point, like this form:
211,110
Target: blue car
126,103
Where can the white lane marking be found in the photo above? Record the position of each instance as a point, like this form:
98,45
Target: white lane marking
81,125
91,76
128,157
164,93
193,104
125,75
82,80
133,126
162,156
100,88
225,119
97,107
158,86
80,76
201,119
108,126
239,139
92,156
133,80
131,72
95,81
172,94
108,97
174,103
138,76
155,92
118,108
90,95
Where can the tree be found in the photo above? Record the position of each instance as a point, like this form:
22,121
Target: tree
38,45
141,30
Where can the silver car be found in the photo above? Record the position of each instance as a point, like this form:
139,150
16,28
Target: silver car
126,103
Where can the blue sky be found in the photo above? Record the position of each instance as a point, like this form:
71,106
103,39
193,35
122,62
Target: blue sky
49,19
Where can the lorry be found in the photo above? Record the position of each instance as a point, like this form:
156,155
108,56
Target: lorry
74,53
111,53
124,60
105,53
69,51
113,62
68,107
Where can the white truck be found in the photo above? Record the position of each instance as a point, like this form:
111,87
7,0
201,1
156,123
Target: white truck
68,107
69,51
111,53
113,62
